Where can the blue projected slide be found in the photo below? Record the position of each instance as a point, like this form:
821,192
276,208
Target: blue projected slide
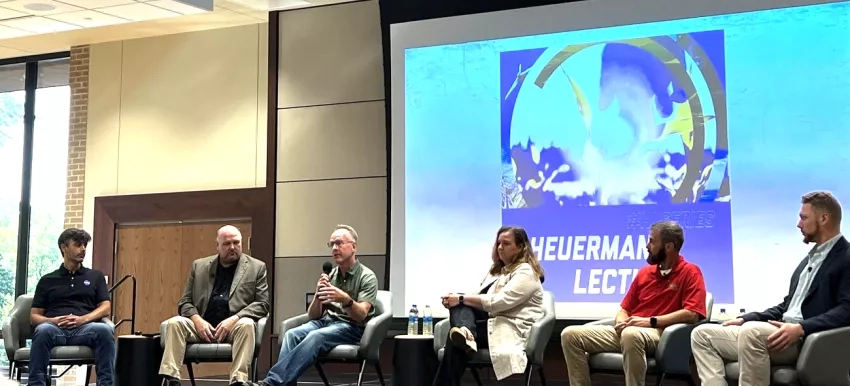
585,138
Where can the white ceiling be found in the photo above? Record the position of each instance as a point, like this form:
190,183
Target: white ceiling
29,27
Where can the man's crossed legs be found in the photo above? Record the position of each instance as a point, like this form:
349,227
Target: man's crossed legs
302,345
713,345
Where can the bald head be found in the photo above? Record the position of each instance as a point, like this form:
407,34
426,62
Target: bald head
229,244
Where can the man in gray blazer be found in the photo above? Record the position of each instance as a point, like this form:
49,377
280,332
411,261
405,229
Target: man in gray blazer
224,297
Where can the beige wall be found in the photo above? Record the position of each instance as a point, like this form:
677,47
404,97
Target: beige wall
331,161
177,113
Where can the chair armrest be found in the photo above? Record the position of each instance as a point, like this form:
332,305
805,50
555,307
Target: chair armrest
109,323
289,324
373,335
820,361
441,333
602,322
259,330
11,338
674,348
539,336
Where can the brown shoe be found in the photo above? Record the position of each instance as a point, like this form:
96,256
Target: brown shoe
462,338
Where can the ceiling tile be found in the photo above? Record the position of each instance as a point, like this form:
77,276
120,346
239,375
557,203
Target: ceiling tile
88,19
178,7
6,13
272,5
9,32
92,4
138,12
39,25
40,7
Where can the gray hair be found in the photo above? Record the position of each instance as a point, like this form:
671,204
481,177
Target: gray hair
348,228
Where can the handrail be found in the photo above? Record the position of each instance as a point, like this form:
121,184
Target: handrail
132,319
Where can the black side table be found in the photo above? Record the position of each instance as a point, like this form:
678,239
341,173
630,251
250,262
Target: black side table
137,360
414,360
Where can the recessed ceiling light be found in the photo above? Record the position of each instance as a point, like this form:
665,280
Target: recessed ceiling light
39,7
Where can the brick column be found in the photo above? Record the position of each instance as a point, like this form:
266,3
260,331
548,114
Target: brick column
78,79
77,123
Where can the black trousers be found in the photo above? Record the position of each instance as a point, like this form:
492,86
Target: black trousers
455,359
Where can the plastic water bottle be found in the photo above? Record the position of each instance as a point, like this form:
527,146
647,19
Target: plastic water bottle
427,321
723,316
413,321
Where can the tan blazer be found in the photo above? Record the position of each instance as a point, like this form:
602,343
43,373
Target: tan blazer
249,293
515,302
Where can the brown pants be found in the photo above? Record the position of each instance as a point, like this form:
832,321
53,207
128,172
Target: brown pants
634,342
713,345
180,330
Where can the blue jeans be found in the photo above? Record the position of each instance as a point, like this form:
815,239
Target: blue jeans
302,345
99,336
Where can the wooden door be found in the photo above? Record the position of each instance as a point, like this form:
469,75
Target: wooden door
160,257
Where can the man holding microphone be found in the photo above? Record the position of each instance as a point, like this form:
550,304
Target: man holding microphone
343,304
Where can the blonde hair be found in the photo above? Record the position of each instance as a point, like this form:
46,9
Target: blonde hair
525,254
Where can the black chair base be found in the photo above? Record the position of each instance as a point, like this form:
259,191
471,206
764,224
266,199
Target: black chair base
191,370
362,364
529,372
15,367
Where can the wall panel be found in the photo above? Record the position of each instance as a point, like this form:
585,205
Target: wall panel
334,141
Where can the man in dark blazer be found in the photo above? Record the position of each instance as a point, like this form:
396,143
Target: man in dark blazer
224,297
818,300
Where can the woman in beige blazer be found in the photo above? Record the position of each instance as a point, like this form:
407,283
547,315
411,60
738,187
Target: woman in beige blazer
499,315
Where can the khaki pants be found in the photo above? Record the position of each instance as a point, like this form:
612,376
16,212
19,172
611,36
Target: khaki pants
713,345
180,330
634,343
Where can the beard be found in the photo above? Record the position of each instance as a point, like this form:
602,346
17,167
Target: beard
654,259
811,237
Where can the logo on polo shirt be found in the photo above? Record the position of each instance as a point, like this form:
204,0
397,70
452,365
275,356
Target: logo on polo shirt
672,287
86,282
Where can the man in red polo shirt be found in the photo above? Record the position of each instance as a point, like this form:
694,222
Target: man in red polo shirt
667,291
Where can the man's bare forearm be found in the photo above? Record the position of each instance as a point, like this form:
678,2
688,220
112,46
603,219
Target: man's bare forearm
676,317
358,311
621,317
36,319
315,310
102,311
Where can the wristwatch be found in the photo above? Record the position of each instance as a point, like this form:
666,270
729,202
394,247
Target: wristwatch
349,304
653,321
460,299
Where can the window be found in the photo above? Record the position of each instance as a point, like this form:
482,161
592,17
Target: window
34,120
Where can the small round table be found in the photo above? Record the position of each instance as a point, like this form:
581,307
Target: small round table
414,360
137,360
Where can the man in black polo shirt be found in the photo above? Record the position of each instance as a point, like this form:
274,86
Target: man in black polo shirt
67,309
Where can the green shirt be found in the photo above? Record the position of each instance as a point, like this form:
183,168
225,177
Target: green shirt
361,284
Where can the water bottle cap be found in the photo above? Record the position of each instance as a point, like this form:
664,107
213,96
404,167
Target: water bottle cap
722,310
414,305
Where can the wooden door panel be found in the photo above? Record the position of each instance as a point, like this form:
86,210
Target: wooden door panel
160,256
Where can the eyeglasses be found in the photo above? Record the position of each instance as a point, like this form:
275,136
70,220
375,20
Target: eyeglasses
338,243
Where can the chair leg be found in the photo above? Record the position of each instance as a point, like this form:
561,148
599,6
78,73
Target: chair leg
88,375
254,370
528,371
322,373
659,379
191,371
542,377
360,377
475,375
380,373
11,369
